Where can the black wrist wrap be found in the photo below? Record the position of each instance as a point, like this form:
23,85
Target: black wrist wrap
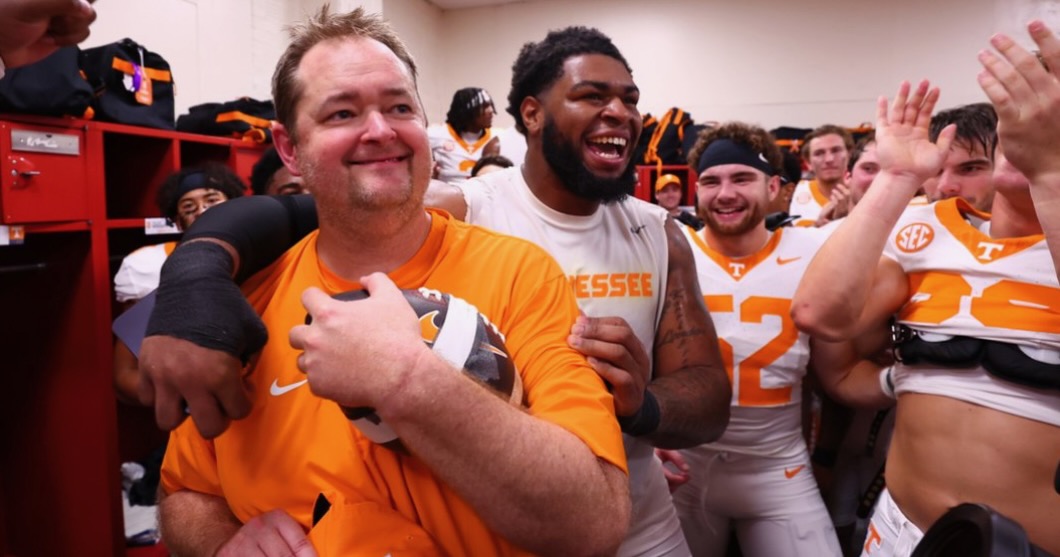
645,421
198,301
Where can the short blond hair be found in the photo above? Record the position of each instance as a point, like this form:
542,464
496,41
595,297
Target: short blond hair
287,90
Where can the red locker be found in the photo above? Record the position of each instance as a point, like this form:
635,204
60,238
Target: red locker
42,174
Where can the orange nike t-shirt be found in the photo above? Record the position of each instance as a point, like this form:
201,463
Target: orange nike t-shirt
295,446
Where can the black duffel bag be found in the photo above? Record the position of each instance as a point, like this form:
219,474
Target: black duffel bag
132,84
53,86
244,118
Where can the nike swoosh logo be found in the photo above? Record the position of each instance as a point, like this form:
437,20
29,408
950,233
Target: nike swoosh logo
276,390
791,472
783,261
637,229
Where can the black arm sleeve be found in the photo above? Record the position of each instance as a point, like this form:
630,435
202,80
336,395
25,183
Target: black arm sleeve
259,227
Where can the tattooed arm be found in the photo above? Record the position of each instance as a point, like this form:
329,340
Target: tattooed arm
686,402
690,382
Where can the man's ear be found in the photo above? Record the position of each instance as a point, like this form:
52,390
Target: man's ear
533,115
773,185
285,147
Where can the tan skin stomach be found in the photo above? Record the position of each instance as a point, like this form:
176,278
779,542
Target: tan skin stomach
945,452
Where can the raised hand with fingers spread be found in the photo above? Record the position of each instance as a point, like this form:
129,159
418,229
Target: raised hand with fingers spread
902,142
1025,92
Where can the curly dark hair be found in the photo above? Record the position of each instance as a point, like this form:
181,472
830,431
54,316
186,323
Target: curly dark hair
976,126
215,175
466,106
491,160
540,64
754,137
263,170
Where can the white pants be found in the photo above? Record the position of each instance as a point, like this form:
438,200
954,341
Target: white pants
890,533
773,503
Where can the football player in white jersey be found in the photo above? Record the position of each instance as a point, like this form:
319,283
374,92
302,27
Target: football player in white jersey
646,329
978,303
466,136
826,150
757,478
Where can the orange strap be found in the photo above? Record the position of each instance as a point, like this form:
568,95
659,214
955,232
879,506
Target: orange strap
652,153
254,135
236,115
126,67
792,145
674,116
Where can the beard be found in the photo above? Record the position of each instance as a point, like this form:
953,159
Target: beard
344,199
562,155
752,218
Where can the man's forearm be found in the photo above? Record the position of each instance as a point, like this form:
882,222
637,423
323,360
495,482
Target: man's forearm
693,405
846,376
689,380
259,228
195,524
532,481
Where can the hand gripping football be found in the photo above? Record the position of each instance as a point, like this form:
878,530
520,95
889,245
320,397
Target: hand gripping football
459,334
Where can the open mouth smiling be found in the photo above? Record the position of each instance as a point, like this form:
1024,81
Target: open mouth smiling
608,147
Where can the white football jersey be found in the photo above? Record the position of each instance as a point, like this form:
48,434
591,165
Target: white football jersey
140,271
765,354
963,282
806,202
455,155
616,260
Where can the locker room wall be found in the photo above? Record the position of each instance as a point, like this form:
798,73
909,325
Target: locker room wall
794,63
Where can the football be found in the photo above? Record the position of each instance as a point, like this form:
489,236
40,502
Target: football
455,330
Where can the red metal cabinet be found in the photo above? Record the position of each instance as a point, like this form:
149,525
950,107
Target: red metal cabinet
79,191
42,174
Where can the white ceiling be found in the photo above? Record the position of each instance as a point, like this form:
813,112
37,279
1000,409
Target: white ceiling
461,4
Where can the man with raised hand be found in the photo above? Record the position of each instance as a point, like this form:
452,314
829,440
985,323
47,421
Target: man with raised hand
975,297
969,168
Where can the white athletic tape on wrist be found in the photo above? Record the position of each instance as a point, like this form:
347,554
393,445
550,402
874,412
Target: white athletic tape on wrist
887,382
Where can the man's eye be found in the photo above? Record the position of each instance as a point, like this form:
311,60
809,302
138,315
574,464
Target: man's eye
341,115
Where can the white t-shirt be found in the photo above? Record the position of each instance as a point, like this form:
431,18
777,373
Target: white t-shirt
617,261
